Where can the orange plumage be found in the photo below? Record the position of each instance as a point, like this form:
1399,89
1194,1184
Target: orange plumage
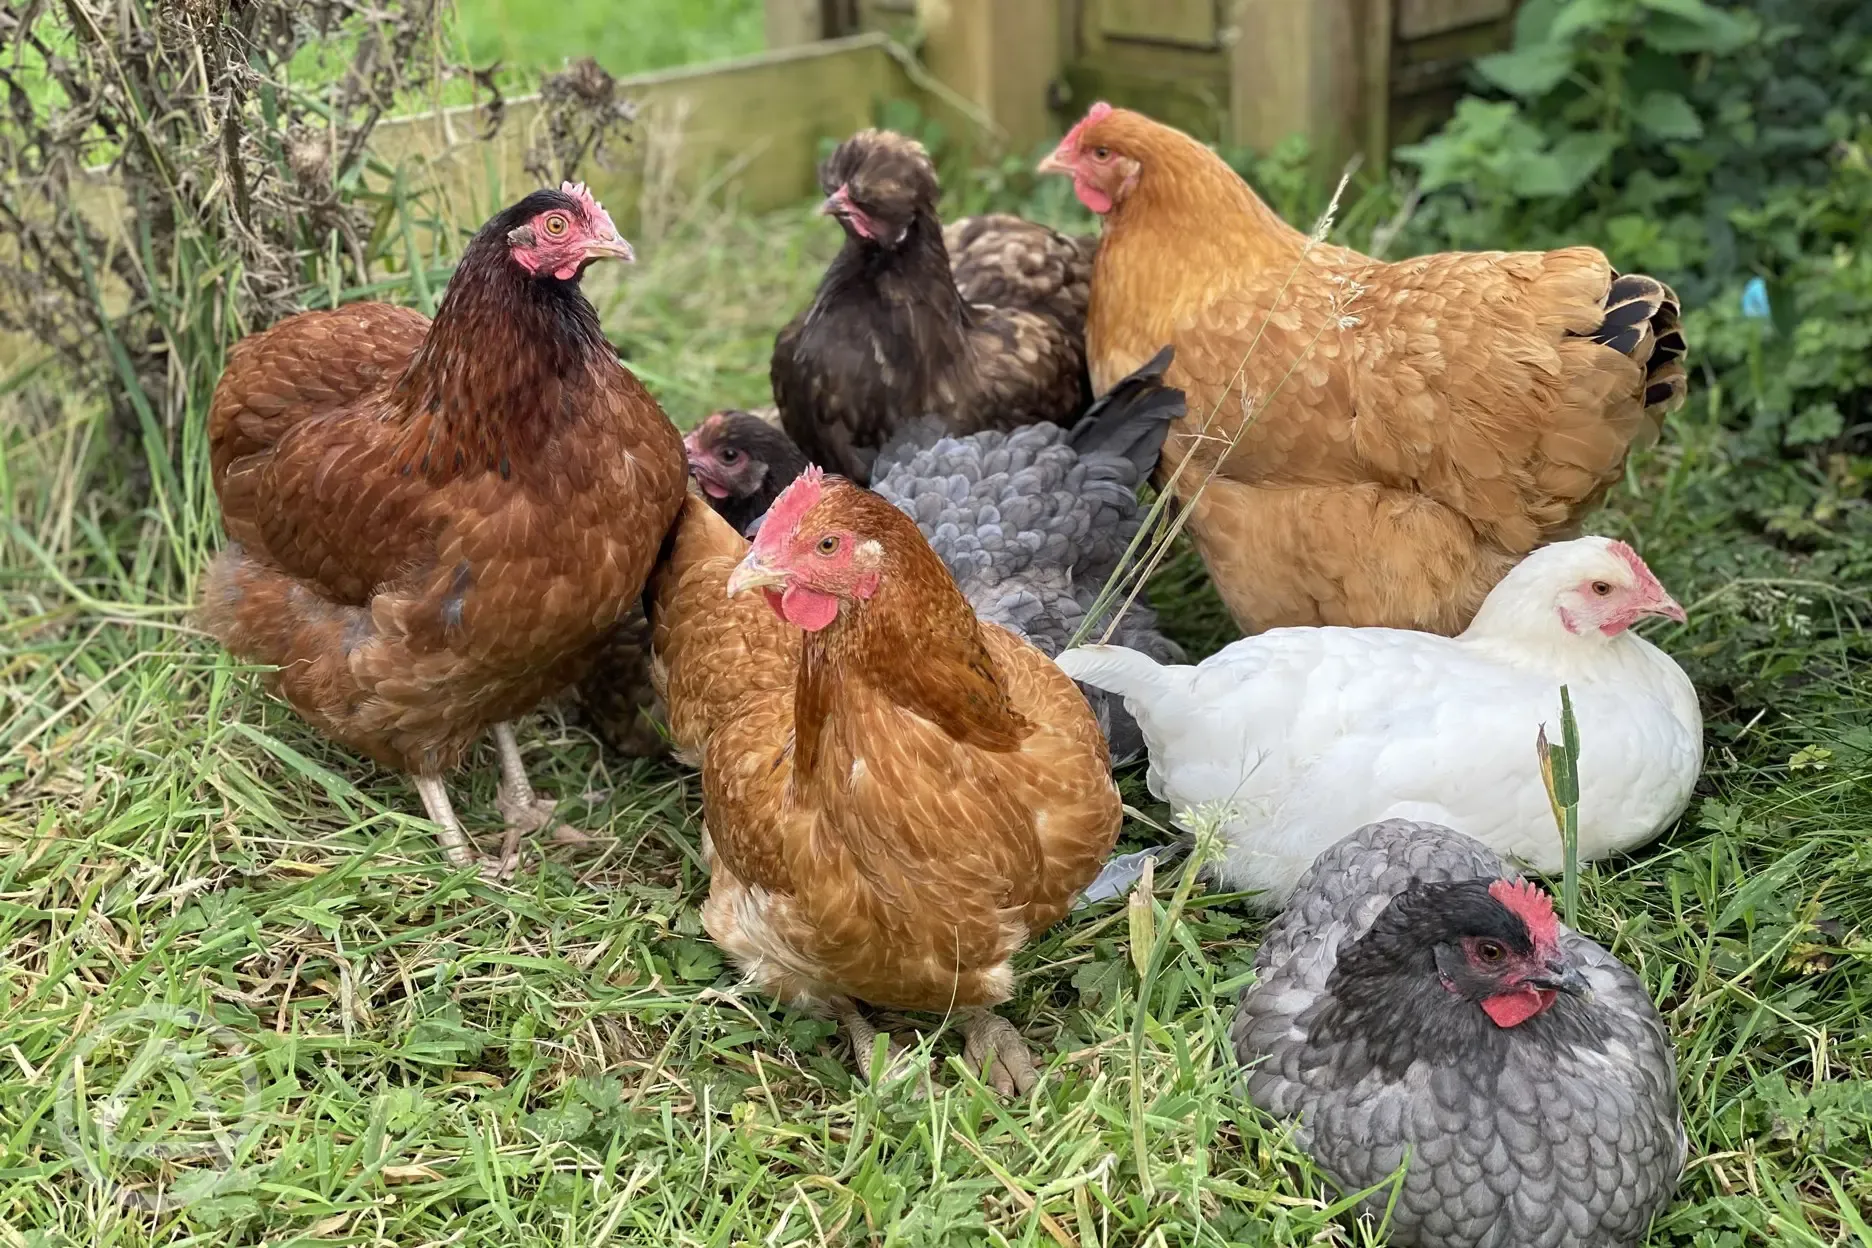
433,526
1381,442
897,795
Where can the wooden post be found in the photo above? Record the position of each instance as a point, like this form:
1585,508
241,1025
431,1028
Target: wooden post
793,22
1320,68
1000,55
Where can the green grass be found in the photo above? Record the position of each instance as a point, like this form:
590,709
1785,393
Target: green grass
626,37
405,1055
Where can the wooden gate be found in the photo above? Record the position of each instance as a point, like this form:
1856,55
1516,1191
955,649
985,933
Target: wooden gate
1352,75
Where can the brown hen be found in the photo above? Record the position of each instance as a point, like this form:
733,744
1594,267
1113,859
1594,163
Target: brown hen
894,333
897,795
1381,442
432,526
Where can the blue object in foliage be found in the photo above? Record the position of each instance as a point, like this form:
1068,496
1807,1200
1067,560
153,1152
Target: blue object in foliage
1755,300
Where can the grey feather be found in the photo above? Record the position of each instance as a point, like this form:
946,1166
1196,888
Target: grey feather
1032,522
1562,1132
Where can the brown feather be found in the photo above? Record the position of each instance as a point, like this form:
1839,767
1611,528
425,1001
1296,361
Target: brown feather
919,794
1380,442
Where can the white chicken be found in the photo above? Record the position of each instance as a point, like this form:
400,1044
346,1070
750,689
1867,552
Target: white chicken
1302,734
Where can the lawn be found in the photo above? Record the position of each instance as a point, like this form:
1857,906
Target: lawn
246,1002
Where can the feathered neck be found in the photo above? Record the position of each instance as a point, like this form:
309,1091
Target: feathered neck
507,361
914,275
915,643
1189,215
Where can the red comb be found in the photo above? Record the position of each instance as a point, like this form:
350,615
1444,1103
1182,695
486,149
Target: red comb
1531,906
783,518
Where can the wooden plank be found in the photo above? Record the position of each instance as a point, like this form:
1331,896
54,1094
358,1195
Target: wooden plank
1418,18
1001,56
1320,68
1191,22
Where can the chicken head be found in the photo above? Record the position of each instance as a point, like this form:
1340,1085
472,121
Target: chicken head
569,231
808,570
1093,155
1591,588
875,183
1494,944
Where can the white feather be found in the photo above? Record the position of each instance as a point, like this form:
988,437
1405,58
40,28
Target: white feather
1310,733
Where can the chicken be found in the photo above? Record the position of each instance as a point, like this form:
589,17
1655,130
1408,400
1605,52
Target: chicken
742,462
1305,732
889,336
1367,443
896,795
1032,523
1419,1006
432,526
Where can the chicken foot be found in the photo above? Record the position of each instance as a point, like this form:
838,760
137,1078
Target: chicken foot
520,807
991,1045
435,800
899,1059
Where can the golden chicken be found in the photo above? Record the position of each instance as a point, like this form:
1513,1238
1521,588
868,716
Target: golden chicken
1375,444
434,526
896,795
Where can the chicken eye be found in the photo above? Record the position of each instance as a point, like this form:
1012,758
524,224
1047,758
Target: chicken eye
729,454
1101,153
556,224
1489,951
1601,588
828,545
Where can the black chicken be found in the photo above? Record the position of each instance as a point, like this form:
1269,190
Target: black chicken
895,333
1419,1001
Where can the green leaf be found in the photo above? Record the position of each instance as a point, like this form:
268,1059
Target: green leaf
1099,983
1686,26
1528,72
1668,115
1585,17
1568,167
696,962
1818,423
1761,886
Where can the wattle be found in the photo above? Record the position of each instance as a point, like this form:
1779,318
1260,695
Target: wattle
1510,1009
808,608
1098,201
713,490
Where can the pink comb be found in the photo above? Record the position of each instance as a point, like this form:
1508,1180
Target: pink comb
1531,906
1097,113
783,518
1646,581
593,210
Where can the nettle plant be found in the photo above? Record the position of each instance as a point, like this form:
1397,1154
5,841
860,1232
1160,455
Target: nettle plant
1635,126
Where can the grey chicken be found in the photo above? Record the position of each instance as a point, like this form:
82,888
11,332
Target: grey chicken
1033,522
894,331
1419,1000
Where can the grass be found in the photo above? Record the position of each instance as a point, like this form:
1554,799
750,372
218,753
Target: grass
246,1003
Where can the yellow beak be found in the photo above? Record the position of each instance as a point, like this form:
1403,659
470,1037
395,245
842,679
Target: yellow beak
751,573
1060,161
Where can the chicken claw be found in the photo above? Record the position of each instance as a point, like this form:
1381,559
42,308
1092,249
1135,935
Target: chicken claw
520,807
899,1059
991,1045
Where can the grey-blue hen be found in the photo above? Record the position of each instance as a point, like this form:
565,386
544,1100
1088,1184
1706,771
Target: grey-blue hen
1419,1001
